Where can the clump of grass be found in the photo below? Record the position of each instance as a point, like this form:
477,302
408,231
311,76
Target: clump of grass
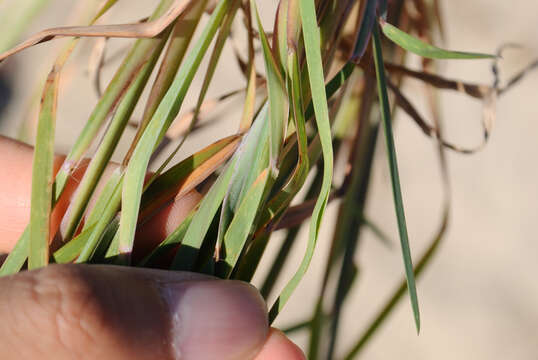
296,121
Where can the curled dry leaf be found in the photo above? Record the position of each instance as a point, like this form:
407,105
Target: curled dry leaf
514,79
488,118
488,95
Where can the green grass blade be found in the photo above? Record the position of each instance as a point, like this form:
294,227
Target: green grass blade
173,182
104,8
298,176
180,39
107,146
333,85
249,261
99,255
111,254
423,49
222,36
71,250
139,54
105,195
319,99
365,31
155,131
345,232
239,229
250,98
400,290
348,229
233,139
211,67
285,249
278,96
187,253
331,88
280,44
171,241
177,180
395,178
108,214
294,181
300,326
278,105
251,158
17,257
42,176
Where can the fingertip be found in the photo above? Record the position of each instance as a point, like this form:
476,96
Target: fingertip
15,182
131,313
278,346
216,319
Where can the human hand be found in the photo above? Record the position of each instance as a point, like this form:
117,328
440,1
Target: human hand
98,311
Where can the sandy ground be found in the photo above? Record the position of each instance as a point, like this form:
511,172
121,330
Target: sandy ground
479,298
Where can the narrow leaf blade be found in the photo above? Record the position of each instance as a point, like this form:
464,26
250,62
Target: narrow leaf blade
240,227
365,30
278,105
395,177
416,46
161,120
311,36
42,175
187,254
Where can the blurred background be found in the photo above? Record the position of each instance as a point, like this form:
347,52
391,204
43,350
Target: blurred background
479,296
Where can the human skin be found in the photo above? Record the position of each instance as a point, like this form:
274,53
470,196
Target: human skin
98,311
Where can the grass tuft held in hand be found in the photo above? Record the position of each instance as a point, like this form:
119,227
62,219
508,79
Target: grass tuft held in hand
314,92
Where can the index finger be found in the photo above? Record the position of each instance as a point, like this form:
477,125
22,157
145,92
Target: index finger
15,194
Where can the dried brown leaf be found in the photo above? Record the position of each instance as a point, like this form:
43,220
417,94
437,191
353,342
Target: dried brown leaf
135,30
478,91
432,131
196,177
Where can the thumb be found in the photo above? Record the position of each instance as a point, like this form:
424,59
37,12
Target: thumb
91,312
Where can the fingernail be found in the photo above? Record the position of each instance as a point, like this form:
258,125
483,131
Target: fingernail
215,319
